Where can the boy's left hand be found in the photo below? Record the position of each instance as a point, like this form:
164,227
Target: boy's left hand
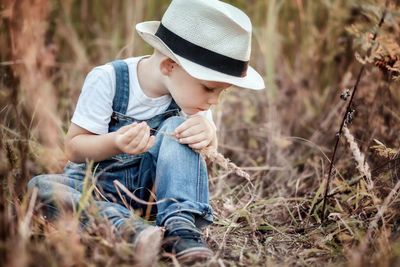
197,132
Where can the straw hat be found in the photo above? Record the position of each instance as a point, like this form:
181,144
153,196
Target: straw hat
209,39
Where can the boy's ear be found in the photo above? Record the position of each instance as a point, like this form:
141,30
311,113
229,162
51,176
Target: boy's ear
167,65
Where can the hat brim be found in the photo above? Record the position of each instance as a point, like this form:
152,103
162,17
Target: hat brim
252,80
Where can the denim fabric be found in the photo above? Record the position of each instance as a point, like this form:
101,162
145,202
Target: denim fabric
178,174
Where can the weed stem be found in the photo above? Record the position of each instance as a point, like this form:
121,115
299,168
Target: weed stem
332,162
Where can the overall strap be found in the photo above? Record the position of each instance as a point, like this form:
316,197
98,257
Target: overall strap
121,98
173,106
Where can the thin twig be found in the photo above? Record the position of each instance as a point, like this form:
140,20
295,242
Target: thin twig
118,185
345,116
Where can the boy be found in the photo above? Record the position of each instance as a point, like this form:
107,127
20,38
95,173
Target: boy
127,110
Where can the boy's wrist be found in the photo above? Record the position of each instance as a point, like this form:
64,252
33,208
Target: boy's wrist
115,147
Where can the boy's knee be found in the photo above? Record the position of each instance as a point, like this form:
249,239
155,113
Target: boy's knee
39,181
171,123
35,181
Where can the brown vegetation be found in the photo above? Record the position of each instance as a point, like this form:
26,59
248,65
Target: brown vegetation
310,52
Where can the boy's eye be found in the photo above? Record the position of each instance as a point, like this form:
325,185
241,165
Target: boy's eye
208,89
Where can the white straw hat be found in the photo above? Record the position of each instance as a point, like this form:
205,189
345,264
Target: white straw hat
210,39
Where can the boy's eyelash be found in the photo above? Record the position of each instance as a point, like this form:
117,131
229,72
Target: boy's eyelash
208,89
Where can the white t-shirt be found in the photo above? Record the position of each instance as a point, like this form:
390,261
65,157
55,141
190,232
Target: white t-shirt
94,108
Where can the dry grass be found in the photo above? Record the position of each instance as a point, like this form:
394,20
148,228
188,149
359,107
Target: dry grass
310,52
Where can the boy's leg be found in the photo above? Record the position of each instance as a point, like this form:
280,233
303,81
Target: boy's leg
182,190
59,191
181,178
64,191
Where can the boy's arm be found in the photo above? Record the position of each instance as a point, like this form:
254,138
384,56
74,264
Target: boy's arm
81,144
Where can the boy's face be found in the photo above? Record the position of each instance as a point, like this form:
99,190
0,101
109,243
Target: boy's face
193,95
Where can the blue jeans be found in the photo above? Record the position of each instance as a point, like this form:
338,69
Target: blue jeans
178,174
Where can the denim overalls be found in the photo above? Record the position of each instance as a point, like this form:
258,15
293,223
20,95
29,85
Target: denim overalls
176,173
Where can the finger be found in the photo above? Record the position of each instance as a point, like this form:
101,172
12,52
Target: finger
193,130
137,135
199,145
145,139
193,139
127,136
150,143
125,128
132,132
186,124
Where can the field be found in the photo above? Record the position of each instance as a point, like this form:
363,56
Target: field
320,144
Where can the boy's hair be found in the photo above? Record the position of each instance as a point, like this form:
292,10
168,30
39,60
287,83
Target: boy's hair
210,39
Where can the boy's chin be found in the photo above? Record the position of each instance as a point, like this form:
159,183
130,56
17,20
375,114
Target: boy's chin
192,111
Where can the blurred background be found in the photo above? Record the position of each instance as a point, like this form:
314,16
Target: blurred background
309,52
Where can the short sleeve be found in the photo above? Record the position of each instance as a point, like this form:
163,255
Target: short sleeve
94,108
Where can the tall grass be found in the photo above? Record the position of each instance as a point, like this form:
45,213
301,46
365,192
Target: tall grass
283,136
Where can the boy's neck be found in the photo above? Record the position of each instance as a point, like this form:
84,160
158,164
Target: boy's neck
148,79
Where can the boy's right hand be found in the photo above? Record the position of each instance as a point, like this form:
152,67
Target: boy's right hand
134,138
